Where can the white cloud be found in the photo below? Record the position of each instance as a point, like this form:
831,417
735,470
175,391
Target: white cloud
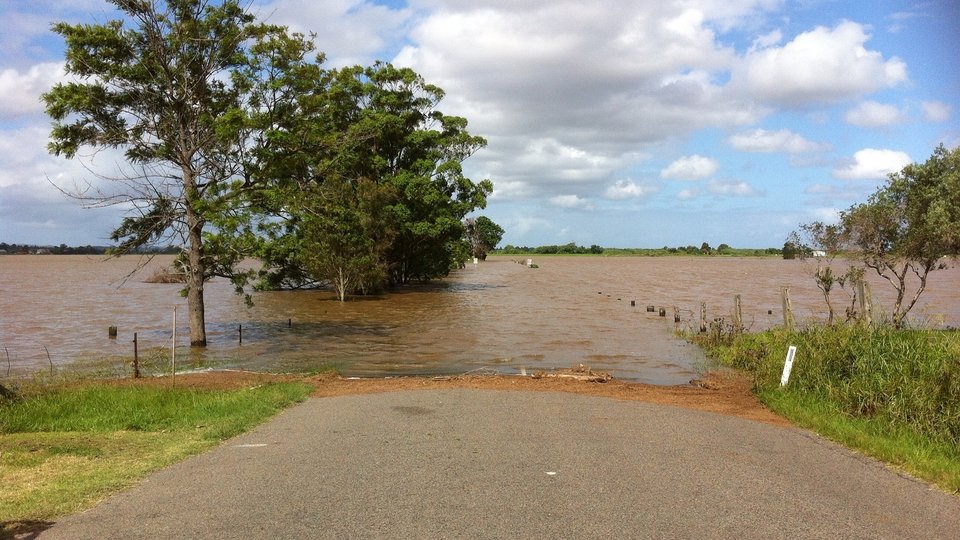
826,214
688,194
504,190
872,163
732,188
569,163
935,111
761,140
832,195
872,114
544,80
625,189
767,40
695,167
20,91
570,201
824,65
348,31
525,224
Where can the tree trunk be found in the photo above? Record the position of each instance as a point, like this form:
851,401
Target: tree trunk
340,284
197,269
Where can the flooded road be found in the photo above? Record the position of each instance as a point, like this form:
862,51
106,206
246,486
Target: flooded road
497,314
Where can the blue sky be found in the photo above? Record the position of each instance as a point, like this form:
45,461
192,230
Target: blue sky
628,124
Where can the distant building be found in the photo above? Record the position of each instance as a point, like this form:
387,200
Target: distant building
43,252
819,253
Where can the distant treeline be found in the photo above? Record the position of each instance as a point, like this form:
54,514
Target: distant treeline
63,249
574,249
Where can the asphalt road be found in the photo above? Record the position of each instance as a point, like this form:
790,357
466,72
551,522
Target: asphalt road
495,464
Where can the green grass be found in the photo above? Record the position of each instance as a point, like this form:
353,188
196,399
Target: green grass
892,394
63,450
924,457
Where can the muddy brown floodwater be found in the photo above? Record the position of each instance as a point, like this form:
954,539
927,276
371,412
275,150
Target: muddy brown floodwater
497,314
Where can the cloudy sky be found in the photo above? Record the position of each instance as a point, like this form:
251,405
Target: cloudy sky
623,123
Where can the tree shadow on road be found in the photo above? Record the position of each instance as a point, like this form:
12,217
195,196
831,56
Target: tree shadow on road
26,529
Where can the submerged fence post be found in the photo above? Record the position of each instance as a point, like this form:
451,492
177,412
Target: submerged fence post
787,309
862,289
136,358
737,315
703,317
240,333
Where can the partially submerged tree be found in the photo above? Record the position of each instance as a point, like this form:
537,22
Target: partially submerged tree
825,242
245,148
483,235
160,86
346,233
377,126
792,248
908,228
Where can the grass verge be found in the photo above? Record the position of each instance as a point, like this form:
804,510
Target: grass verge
893,395
64,449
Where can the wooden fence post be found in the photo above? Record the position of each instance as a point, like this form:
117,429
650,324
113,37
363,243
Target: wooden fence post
136,358
787,309
863,289
703,317
737,315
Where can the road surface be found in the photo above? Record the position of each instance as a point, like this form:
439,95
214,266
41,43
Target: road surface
461,463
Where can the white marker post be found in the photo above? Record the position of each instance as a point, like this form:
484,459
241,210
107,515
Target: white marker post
173,347
788,365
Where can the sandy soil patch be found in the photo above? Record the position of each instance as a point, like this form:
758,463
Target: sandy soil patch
725,393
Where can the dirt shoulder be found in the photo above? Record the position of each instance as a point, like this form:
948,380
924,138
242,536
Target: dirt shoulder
725,393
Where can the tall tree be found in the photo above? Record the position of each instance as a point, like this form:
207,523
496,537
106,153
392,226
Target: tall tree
379,124
166,85
483,235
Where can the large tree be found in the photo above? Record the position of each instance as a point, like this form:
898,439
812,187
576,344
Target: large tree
172,84
376,125
484,235
908,228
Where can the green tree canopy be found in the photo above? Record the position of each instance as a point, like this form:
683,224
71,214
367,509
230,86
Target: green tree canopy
909,227
242,145
163,84
378,125
483,235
